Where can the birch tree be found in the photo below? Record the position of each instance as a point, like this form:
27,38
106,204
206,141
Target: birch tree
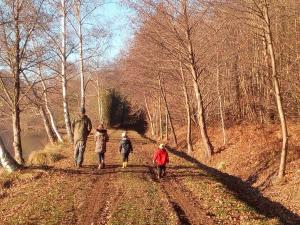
18,25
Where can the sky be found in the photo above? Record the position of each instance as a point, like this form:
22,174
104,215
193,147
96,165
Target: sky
117,18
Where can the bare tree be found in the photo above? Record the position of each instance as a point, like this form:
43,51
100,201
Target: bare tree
15,38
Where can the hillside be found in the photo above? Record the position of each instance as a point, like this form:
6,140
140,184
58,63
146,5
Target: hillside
252,152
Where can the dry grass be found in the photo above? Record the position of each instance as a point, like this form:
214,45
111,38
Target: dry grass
252,153
49,155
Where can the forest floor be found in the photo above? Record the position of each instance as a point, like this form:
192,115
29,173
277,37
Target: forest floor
191,193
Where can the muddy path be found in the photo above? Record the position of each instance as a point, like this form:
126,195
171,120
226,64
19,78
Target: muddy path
62,194
106,196
185,205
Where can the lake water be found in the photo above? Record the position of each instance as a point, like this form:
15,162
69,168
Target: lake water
32,140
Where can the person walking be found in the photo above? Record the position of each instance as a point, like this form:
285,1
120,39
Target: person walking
125,149
82,127
160,159
101,138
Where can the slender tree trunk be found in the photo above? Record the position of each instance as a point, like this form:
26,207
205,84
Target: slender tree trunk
149,116
49,131
201,121
188,112
167,125
160,119
237,87
221,104
17,135
82,88
100,102
154,119
278,99
163,94
52,120
42,110
63,72
16,104
6,160
192,65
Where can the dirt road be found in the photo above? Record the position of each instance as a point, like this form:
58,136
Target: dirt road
61,194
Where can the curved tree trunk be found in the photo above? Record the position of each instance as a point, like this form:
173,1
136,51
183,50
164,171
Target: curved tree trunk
192,65
201,121
49,131
42,110
278,99
6,160
53,123
47,107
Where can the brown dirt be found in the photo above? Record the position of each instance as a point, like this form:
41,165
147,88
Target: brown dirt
61,194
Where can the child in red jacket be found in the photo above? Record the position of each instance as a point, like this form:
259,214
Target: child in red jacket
160,159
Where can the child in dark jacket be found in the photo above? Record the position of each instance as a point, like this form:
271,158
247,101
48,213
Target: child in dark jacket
160,159
125,148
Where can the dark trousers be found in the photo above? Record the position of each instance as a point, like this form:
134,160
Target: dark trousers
161,170
79,149
101,156
125,156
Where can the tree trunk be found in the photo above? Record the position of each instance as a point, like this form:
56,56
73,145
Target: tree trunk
237,87
16,104
17,135
82,87
163,94
100,102
66,110
277,93
63,72
220,103
167,125
41,108
188,112
201,121
49,131
192,65
149,116
52,120
6,161
160,119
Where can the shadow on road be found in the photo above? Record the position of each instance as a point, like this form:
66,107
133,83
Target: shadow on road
245,192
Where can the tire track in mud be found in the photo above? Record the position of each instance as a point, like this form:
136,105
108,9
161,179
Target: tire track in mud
186,207
102,200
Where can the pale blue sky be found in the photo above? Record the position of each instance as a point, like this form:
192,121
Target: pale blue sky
117,18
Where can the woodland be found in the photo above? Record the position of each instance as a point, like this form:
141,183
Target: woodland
200,75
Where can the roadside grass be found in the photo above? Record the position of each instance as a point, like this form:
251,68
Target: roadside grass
49,155
222,204
46,201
